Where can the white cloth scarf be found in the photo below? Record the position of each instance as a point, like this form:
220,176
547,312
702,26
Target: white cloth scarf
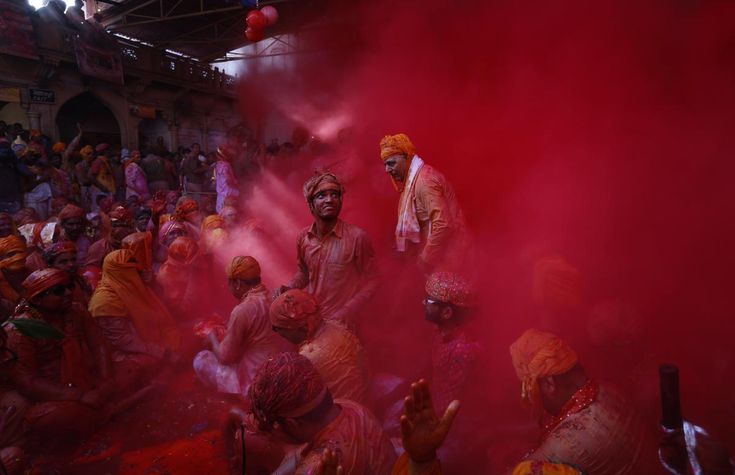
408,228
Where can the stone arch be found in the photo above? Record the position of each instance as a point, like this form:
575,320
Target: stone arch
101,120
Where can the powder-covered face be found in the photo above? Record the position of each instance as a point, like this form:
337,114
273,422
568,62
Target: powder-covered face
396,166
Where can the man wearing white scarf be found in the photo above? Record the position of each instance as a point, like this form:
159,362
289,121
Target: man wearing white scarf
430,221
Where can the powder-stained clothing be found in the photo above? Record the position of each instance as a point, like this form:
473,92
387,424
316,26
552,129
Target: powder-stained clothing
445,238
97,253
226,183
339,357
79,359
136,182
248,342
359,440
339,270
454,361
605,438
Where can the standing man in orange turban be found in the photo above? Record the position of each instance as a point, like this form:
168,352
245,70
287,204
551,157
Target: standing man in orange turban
248,341
335,351
431,225
336,261
590,427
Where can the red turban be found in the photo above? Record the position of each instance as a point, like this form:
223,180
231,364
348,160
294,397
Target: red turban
321,182
450,288
70,211
286,386
42,280
183,250
295,309
243,268
59,248
185,207
398,144
121,215
11,244
26,216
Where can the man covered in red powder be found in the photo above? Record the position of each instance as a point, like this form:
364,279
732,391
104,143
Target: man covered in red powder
122,224
336,261
68,380
590,428
73,222
13,255
430,225
13,409
248,341
335,351
63,256
290,401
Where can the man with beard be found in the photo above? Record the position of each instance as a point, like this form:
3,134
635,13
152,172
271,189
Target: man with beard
73,222
336,261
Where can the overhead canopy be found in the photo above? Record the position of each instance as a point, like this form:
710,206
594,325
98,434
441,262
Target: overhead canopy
202,29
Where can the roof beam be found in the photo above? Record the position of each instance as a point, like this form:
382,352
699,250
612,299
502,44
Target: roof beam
177,17
121,15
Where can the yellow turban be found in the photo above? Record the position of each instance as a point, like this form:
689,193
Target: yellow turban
537,354
395,145
243,268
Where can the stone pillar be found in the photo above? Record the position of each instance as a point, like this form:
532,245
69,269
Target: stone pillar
34,118
173,128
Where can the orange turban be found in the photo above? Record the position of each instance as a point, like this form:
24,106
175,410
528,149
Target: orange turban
70,211
243,268
59,147
320,182
286,386
13,244
42,280
295,309
185,207
140,245
536,467
398,144
86,152
537,354
213,221
451,288
182,250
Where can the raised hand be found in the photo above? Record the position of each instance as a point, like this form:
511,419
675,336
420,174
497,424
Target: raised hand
329,464
422,431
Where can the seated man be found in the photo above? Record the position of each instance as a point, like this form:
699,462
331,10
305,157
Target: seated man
135,323
63,256
592,429
334,350
13,408
248,340
68,380
13,255
72,222
290,401
121,224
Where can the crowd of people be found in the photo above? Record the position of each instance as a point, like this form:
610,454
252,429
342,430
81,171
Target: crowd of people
101,254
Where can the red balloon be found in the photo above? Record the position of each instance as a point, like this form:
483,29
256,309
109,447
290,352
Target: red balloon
254,34
271,14
256,19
